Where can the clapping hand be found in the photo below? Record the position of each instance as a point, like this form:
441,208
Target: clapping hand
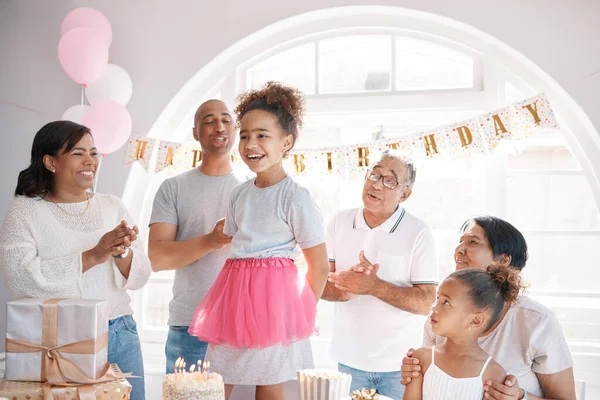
131,236
360,279
114,243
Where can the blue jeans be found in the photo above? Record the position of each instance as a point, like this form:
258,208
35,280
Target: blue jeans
124,349
386,383
181,344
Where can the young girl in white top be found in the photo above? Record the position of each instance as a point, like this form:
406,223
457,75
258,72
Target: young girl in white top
469,303
259,314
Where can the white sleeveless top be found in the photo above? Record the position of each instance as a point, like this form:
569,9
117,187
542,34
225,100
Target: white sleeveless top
438,385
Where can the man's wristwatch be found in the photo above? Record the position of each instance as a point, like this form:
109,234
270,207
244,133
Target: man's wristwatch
126,253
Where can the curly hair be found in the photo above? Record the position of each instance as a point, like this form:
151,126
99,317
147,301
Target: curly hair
492,288
285,102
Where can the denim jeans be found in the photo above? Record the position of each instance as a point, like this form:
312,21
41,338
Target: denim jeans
124,349
181,344
386,383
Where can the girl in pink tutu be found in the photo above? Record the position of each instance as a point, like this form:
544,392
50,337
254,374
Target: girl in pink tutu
259,314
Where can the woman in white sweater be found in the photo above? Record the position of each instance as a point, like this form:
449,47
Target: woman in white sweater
58,240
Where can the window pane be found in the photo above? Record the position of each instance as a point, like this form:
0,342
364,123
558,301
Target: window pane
561,263
446,241
561,202
158,296
295,67
423,65
443,201
544,158
355,64
513,94
545,149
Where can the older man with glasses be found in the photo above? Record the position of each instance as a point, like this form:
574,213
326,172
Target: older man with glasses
383,278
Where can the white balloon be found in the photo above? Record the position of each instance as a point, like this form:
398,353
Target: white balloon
115,84
75,113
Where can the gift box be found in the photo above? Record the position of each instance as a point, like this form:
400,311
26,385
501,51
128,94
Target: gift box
115,390
56,340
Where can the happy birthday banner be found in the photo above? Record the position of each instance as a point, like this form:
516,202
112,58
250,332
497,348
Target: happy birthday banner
479,135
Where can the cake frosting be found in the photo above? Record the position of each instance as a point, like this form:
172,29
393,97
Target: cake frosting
193,386
316,384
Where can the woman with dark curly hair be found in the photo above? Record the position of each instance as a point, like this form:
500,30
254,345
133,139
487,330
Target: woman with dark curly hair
259,314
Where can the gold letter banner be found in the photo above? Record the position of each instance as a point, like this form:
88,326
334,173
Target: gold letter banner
166,155
532,114
478,135
496,127
139,149
352,161
464,139
427,145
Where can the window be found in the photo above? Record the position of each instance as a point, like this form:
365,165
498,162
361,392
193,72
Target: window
355,64
277,68
368,63
424,65
386,83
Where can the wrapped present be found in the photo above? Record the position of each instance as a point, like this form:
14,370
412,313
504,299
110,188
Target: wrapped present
118,389
57,340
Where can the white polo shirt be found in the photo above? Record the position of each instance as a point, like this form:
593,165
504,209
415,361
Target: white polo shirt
369,334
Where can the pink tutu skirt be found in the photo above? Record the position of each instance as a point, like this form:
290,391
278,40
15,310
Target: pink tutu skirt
256,303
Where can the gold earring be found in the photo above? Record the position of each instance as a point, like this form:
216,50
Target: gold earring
53,171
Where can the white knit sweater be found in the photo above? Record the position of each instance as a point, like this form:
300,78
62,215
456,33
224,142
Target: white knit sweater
41,249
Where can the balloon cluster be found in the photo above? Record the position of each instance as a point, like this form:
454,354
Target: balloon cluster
86,36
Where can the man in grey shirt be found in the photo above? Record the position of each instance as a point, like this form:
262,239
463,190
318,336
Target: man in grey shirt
186,227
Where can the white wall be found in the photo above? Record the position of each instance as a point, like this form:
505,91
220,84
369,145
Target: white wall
162,44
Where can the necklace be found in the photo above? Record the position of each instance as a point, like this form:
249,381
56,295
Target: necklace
87,195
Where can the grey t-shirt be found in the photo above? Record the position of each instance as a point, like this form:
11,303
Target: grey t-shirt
194,202
269,222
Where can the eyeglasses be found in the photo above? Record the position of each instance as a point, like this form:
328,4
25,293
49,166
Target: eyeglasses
388,181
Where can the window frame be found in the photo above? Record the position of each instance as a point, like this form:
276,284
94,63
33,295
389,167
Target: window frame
241,76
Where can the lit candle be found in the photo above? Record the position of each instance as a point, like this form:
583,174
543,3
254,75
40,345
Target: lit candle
175,366
176,369
205,365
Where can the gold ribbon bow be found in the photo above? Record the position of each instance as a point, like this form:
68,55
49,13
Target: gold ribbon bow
57,372
84,392
365,394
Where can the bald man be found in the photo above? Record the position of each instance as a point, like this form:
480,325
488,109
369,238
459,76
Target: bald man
186,227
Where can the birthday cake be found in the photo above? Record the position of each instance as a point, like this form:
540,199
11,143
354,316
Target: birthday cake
323,385
193,384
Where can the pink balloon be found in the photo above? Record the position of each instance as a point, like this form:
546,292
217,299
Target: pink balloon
88,18
110,125
83,55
